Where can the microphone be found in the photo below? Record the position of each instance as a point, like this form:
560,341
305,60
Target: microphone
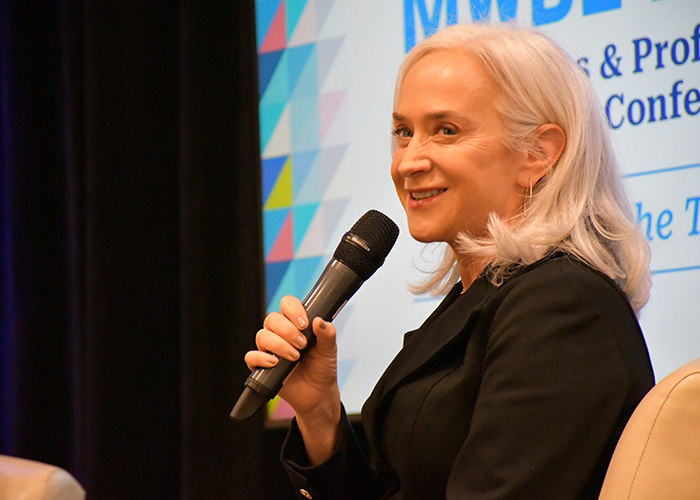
360,253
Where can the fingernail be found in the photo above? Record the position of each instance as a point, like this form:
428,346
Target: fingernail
301,322
293,353
301,341
322,325
274,358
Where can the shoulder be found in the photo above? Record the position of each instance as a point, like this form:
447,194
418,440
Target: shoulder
564,279
561,305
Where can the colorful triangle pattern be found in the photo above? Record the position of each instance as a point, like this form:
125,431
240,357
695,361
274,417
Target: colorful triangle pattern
298,45
275,34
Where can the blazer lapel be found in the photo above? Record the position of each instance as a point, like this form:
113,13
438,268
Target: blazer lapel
442,326
439,330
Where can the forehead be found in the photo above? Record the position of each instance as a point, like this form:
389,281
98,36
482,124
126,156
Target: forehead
446,79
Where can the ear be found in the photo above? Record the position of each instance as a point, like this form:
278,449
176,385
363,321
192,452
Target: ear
549,141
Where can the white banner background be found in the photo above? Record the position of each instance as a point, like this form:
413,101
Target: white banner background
372,326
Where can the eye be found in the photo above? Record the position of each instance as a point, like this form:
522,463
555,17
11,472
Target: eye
448,130
402,132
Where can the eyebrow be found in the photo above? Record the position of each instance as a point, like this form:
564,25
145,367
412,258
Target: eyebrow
436,115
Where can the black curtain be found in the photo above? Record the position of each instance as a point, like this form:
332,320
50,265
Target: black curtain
131,246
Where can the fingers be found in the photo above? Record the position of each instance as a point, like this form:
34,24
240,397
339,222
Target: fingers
291,308
325,334
282,327
282,335
259,359
271,342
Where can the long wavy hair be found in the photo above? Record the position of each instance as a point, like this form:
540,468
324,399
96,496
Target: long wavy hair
580,206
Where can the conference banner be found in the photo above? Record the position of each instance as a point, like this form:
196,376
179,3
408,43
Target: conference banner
327,70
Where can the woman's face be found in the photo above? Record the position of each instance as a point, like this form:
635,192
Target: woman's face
451,167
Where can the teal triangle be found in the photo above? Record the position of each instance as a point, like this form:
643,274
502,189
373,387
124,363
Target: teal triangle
304,123
273,220
307,82
278,88
269,116
301,165
265,11
294,11
297,57
303,215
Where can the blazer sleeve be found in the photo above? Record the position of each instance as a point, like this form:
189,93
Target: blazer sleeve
346,474
564,366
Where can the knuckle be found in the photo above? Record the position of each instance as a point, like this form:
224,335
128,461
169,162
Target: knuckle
270,317
260,338
289,302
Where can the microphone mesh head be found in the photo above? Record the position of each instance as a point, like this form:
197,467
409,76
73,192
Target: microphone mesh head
368,242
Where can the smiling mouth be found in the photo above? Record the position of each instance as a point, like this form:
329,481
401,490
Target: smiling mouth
427,194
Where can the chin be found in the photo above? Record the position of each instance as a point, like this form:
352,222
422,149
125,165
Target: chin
423,236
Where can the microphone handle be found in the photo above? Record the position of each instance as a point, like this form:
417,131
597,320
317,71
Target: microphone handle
337,284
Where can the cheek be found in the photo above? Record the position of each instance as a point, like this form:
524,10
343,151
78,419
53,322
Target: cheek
395,175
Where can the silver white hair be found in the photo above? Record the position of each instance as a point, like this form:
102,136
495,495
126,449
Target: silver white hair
580,206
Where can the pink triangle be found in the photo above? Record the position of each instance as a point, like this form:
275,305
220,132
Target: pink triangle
328,105
282,411
276,37
283,248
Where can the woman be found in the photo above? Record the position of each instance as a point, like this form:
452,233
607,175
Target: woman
520,383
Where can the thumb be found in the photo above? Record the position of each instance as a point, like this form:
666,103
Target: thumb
325,335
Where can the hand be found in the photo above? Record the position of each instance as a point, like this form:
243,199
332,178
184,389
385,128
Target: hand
312,387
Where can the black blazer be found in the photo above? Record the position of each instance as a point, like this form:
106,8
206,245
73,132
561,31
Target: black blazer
512,392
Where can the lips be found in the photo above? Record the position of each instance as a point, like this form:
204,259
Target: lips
422,195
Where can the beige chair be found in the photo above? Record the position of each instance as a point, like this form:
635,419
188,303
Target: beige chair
28,480
658,455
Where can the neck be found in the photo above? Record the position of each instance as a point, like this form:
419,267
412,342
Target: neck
469,269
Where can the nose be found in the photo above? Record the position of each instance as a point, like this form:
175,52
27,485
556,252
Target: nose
413,159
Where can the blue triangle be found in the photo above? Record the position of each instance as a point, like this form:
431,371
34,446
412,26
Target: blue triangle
287,286
306,84
273,220
308,271
303,215
267,63
301,165
274,273
271,168
310,190
265,11
296,62
278,88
